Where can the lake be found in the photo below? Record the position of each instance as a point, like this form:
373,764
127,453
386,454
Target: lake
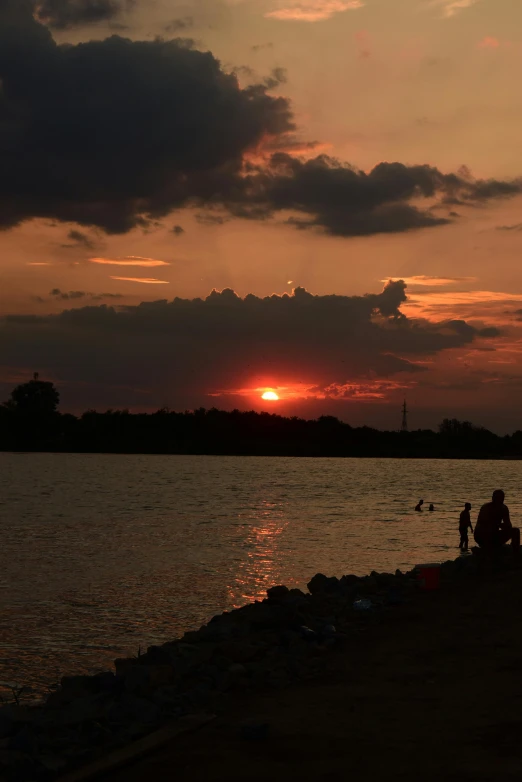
102,554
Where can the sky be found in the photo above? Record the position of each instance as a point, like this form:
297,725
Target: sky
201,201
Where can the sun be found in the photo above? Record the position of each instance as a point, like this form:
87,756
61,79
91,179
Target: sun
270,396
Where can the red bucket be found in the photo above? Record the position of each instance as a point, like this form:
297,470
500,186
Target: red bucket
428,576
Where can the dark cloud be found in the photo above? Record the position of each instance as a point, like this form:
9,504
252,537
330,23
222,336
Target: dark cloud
259,46
174,127
63,14
178,25
119,133
178,230
210,219
56,293
345,201
188,349
80,239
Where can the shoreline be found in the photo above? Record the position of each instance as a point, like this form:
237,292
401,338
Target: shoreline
280,642
240,455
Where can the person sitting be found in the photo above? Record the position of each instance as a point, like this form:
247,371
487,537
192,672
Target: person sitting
432,507
493,527
464,525
418,506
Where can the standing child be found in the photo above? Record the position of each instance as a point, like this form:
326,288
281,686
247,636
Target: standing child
464,525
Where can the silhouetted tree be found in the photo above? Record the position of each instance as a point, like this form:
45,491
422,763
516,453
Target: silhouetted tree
37,397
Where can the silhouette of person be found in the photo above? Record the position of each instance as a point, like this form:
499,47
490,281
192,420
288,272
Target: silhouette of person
493,528
464,525
419,505
432,506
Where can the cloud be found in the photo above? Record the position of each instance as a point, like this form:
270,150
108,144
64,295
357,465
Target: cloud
135,129
130,260
178,25
184,350
79,239
313,10
344,201
515,227
423,279
450,8
144,280
210,219
178,230
260,46
56,293
180,132
63,14
38,263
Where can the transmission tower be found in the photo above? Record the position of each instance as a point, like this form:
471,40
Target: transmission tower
404,425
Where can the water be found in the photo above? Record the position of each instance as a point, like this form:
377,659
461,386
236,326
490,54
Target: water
103,554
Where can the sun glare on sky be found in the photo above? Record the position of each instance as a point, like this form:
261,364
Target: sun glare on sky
270,396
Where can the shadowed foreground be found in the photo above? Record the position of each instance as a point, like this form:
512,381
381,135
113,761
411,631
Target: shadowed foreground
431,691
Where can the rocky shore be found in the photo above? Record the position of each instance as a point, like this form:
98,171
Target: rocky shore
265,645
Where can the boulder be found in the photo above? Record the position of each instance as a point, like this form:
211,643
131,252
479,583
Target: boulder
236,669
240,651
320,584
78,686
123,664
277,594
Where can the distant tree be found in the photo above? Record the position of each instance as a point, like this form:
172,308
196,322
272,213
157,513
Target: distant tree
37,397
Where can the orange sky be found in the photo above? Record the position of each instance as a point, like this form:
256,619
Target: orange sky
422,82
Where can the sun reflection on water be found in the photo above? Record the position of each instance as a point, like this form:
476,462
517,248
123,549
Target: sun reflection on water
261,567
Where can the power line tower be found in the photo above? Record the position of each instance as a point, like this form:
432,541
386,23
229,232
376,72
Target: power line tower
404,425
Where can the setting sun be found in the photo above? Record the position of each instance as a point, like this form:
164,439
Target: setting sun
270,396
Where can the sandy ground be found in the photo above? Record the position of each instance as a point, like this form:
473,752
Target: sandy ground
432,691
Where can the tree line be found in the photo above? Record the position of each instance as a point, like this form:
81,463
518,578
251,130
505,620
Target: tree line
30,421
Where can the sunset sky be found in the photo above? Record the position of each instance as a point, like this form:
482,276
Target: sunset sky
203,201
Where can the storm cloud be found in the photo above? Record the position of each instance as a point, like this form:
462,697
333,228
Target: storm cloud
114,133
345,201
117,134
181,351
63,14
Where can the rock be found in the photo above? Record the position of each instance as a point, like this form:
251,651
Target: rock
159,655
123,664
13,718
264,614
87,709
328,631
106,681
7,724
236,669
140,709
367,585
53,763
321,583
10,758
277,594
160,675
137,679
77,686
308,634
254,731
239,651
24,740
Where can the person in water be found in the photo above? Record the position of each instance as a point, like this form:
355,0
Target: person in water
419,505
464,525
493,528
432,507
